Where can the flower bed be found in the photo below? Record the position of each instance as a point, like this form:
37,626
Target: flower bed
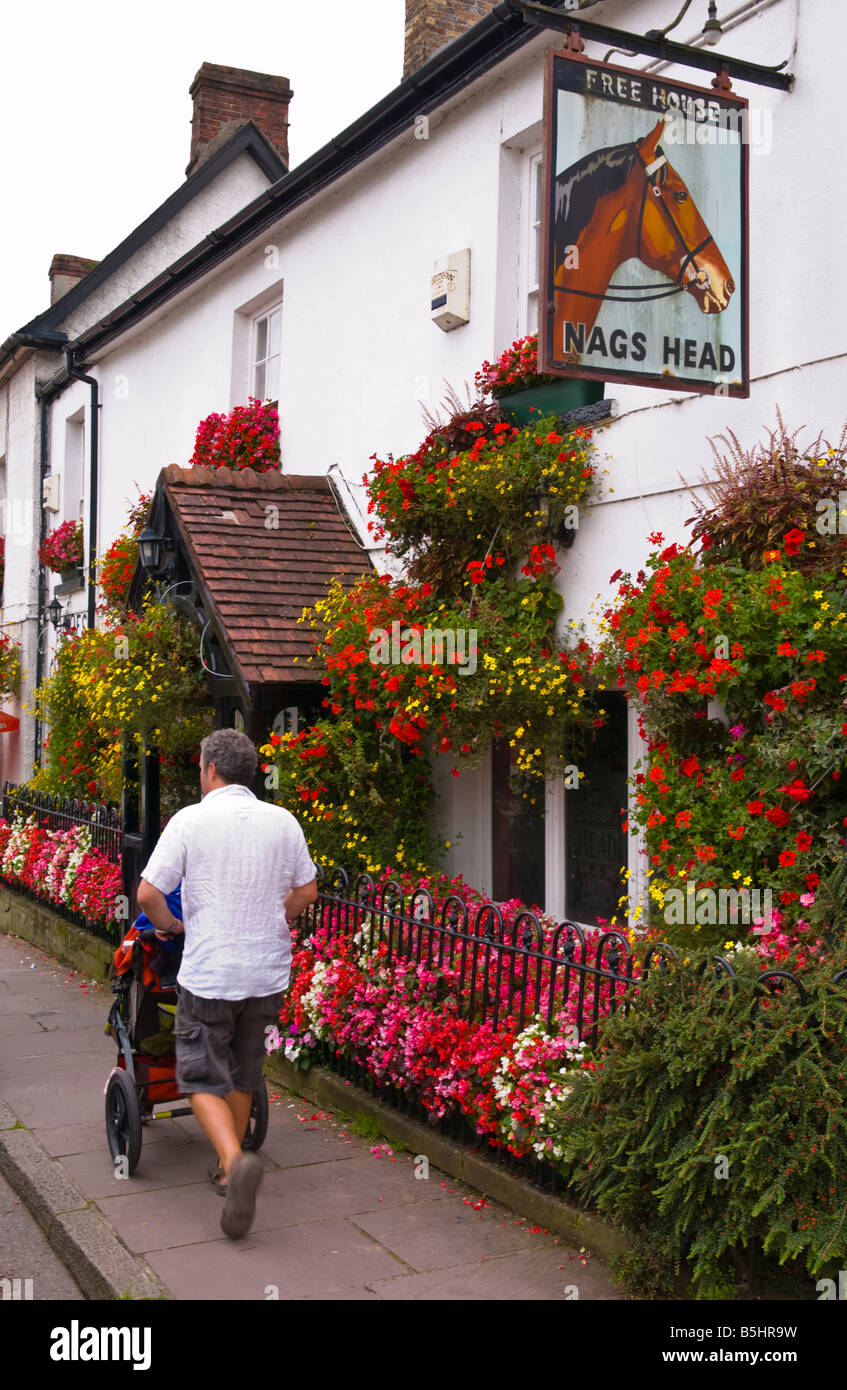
403,1022
450,1032
61,867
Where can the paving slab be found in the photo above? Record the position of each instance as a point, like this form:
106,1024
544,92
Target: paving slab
163,1165
315,1258
52,1045
62,1140
16,1025
348,1188
46,1101
534,1275
440,1232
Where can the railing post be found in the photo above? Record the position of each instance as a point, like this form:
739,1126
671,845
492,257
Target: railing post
131,838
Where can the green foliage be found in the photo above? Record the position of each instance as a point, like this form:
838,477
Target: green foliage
139,679
761,802
692,1085
361,801
448,505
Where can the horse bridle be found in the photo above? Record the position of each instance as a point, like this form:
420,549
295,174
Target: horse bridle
633,293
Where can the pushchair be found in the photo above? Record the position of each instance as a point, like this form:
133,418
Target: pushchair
141,1021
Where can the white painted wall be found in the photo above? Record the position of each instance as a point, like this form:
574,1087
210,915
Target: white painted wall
360,355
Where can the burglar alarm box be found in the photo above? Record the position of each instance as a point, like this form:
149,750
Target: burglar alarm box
450,291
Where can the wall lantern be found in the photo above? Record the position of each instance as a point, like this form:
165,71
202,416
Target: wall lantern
54,611
150,550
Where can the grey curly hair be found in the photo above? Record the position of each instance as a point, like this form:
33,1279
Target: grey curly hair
232,753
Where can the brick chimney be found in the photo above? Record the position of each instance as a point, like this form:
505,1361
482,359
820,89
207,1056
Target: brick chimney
65,272
430,24
225,99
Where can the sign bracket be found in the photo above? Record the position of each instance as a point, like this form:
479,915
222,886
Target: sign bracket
543,17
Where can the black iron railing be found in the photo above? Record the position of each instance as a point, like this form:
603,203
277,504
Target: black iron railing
518,969
63,813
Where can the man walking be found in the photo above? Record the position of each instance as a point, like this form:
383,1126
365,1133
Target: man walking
245,871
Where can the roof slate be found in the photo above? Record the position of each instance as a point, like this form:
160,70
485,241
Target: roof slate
260,577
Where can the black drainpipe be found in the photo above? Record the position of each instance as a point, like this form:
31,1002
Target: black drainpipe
40,620
45,396
74,371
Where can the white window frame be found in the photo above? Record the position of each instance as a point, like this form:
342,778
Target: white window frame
269,359
533,195
245,317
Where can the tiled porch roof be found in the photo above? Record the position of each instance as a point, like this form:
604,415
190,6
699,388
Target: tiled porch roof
260,576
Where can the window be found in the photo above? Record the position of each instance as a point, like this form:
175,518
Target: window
266,335
596,850
518,837
533,242
73,490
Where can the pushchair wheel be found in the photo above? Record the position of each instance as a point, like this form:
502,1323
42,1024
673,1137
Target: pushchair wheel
123,1120
257,1125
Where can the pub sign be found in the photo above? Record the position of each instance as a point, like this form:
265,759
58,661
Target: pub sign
644,230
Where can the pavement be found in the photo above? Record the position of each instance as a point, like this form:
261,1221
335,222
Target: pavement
26,1256
341,1214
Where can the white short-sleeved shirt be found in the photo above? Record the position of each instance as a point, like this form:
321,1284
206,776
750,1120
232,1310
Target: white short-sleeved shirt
237,858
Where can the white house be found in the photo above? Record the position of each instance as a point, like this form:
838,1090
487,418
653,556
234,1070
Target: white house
313,289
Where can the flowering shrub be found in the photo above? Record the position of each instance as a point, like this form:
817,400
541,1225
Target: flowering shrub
63,548
118,564
61,866
10,667
344,787
463,511
514,370
445,506
138,678
247,437
753,801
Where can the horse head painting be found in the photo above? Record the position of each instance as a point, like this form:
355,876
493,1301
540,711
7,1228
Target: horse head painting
624,202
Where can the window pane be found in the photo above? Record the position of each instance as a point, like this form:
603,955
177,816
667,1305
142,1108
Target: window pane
271,376
518,837
261,340
532,312
596,845
273,333
259,389
536,216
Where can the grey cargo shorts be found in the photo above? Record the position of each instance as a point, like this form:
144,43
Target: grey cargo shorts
220,1043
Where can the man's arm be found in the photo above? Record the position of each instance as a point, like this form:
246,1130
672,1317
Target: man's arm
297,898
153,901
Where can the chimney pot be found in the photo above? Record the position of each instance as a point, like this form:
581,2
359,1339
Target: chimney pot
67,271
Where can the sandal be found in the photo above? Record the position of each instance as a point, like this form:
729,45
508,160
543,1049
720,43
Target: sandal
217,1175
246,1173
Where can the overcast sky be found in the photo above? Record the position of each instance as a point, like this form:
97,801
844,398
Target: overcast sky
96,132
